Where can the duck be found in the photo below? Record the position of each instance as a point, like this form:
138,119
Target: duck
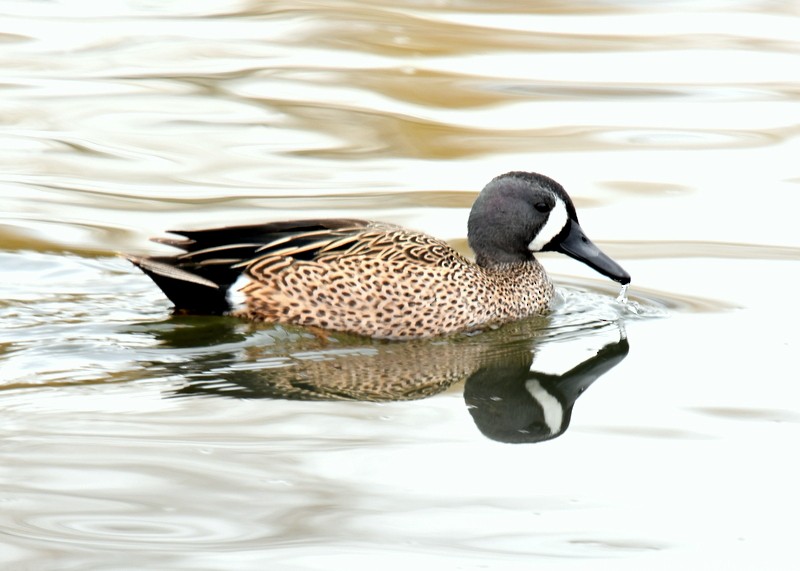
380,280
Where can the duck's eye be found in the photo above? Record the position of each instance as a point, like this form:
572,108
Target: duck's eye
543,207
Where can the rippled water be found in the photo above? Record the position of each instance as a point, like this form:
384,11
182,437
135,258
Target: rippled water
659,435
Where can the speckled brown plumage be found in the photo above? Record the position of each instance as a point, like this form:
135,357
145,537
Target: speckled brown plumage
389,283
380,280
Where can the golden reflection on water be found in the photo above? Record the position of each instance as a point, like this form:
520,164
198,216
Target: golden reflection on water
674,127
314,99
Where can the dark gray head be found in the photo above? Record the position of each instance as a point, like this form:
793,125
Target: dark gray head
520,213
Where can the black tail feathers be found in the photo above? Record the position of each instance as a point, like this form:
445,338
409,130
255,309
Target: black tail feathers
192,287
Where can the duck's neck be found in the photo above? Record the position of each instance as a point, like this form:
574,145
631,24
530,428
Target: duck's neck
522,288
527,273
501,265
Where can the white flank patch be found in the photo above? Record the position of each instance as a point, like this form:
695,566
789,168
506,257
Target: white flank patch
556,221
553,412
234,295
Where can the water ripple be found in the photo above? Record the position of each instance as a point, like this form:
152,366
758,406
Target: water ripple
669,123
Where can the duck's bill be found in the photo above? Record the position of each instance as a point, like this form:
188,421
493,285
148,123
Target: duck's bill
577,245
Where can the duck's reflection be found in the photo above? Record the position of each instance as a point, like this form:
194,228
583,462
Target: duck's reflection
508,399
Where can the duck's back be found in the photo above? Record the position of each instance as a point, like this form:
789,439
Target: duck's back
379,280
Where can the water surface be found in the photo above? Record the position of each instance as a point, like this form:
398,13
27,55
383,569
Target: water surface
660,438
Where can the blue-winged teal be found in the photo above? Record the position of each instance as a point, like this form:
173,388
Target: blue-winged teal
380,280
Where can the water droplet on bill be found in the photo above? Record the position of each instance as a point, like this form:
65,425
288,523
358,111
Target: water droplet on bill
623,294
630,305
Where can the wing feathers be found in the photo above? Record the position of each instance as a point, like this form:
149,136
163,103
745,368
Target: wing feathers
198,279
160,268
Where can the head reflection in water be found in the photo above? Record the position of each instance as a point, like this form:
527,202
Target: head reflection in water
508,399
514,403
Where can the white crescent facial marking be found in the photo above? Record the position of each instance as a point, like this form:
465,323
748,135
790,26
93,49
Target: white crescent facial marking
236,299
553,412
555,223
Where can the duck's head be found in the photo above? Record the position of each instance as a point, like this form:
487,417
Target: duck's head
520,213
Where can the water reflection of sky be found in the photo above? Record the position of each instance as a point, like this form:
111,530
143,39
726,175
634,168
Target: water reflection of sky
273,101
673,126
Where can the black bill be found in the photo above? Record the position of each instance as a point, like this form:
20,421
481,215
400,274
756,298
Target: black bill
576,245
